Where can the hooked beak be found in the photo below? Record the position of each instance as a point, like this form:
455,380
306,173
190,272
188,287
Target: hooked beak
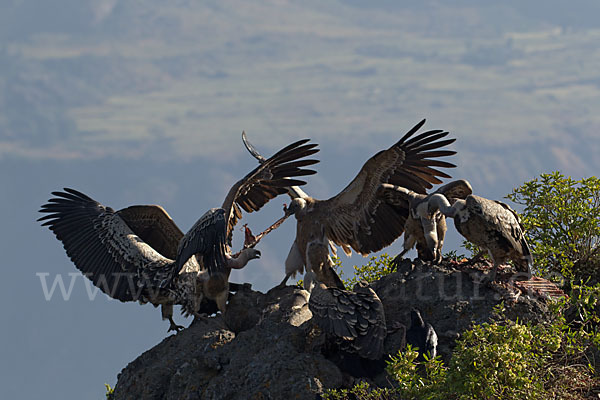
287,211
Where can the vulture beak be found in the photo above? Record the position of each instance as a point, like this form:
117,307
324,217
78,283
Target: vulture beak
256,254
287,211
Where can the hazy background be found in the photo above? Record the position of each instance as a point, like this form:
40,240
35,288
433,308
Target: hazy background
143,102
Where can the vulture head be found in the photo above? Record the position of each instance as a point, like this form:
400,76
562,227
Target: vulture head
240,260
297,207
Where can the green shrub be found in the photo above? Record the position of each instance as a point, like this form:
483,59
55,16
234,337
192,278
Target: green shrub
376,268
109,391
561,217
493,361
361,391
416,379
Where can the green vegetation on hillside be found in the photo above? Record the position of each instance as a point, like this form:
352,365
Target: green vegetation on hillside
561,218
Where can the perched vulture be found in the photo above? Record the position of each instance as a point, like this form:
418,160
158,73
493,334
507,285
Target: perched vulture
139,254
421,335
425,228
355,318
356,218
491,225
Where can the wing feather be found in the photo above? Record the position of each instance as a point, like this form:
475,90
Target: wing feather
154,226
356,318
271,178
100,243
354,216
207,238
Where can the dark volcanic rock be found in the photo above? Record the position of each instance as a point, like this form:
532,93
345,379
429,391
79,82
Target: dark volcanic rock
266,347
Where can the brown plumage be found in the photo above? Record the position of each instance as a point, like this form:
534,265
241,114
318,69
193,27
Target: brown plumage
138,253
424,228
490,224
356,218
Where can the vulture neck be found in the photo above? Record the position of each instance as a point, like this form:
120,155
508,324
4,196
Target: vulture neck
440,202
295,192
241,260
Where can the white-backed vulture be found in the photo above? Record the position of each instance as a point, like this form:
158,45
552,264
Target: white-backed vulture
356,218
139,253
424,228
491,225
421,335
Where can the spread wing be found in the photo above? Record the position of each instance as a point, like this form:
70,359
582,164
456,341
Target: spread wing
270,179
360,219
357,318
293,191
213,232
207,238
100,243
458,189
154,226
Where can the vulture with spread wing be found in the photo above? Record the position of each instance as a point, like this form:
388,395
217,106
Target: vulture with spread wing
491,225
357,218
139,254
424,228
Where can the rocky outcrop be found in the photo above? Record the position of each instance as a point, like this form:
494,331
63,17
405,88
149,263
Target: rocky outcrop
266,346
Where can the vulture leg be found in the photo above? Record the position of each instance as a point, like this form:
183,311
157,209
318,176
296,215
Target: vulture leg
283,282
167,313
221,300
174,326
441,235
293,265
492,274
398,259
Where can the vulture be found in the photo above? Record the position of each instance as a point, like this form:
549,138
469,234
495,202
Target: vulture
425,228
356,218
356,318
421,335
139,254
491,225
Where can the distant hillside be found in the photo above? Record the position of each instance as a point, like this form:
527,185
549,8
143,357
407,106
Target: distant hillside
129,79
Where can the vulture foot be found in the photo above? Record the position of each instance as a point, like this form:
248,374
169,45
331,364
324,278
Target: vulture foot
283,283
174,326
397,261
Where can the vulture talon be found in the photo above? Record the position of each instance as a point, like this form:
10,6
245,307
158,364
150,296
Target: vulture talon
174,327
397,261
